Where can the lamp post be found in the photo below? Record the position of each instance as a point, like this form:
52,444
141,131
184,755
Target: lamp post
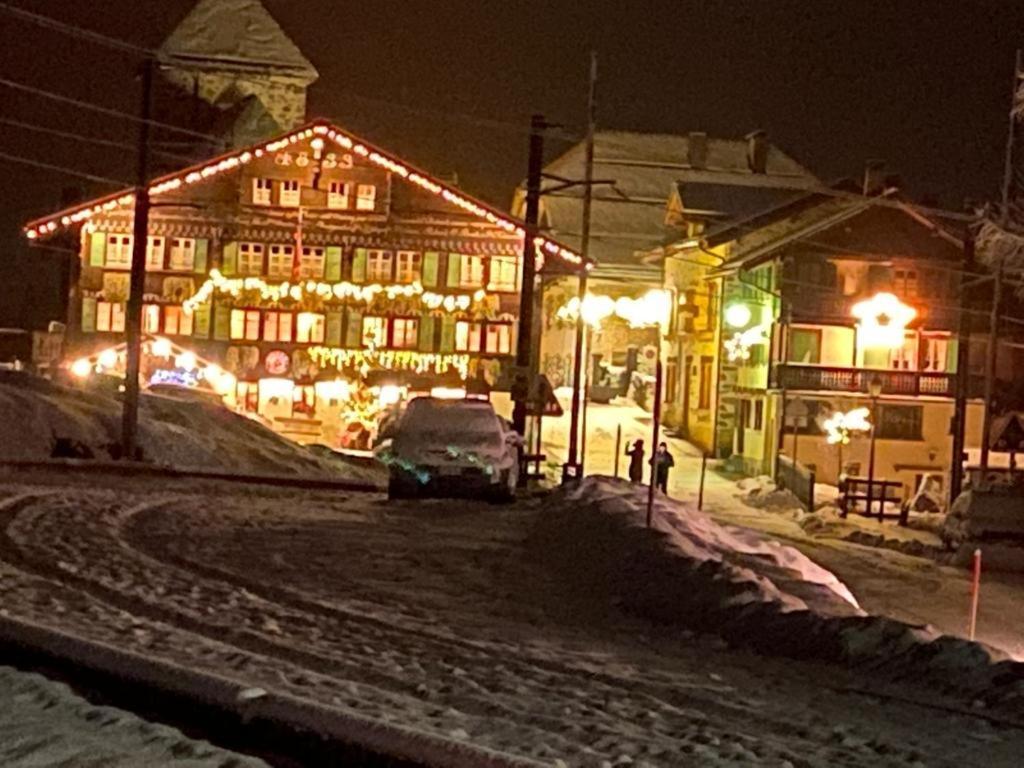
874,389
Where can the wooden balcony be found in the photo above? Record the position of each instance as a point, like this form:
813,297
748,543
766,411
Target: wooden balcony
820,378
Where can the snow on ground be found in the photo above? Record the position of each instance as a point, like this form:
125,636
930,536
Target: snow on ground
176,433
447,617
43,724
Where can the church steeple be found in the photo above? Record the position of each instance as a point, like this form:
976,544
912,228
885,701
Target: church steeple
231,53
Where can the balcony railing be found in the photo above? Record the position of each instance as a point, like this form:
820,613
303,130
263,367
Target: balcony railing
821,378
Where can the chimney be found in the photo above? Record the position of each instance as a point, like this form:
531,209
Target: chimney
874,177
697,150
757,151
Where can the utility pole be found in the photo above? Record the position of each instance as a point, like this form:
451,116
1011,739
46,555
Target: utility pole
959,426
133,319
524,345
573,467
990,367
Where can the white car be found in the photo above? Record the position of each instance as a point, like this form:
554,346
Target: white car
452,447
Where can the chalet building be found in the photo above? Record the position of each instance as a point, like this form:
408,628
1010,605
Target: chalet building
310,279
655,188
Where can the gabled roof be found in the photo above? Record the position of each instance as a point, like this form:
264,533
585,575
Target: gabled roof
317,130
219,34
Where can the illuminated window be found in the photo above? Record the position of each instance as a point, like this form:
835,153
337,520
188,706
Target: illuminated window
109,317
151,318
467,336
375,331
281,259
499,339
404,333
504,273
309,328
277,326
311,265
245,324
290,195
304,400
119,251
935,353
250,258
261,189
472,274
337,195
177,322
366,197
378,266
183,254
408,267
155,248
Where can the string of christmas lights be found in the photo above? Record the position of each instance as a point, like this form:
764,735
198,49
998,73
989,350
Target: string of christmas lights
364,360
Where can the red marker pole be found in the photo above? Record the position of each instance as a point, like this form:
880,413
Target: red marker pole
975,594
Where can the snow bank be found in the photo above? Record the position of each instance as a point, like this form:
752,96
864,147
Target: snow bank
175,433
43,724
991,521
753,591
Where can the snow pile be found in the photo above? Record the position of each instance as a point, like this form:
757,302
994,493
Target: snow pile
992,521
753,591
172,432
42,723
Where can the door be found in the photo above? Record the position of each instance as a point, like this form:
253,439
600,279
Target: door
741,426
687,379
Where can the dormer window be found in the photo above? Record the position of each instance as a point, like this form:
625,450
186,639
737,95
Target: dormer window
366,197
290,194
261,189
337,195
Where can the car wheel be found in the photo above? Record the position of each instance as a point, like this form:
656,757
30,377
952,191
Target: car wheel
506,490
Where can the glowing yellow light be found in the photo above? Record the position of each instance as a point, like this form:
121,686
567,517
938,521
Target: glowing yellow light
81,368
162,348
653,308
390,394
448,393
108,358
737,315
186,361
339,390
839,425
883,321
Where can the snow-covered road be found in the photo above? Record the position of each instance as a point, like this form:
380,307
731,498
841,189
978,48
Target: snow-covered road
439,616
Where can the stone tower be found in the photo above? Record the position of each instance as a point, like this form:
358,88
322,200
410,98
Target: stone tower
232,55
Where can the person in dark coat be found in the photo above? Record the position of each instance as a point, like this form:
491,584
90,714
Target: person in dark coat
636,462
663,462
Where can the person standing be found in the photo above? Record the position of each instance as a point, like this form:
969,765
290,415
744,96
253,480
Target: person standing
636,462
662,462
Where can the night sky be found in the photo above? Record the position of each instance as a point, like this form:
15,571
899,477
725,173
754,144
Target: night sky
924,85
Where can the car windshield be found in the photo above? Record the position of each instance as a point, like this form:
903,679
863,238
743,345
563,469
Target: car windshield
453,422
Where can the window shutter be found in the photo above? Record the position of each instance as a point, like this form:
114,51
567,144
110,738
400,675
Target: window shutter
89,315
354,329
201,321
359,265
454,270
430,264
333,334
951,355
202,251
332,270
221,322
426,333
229,259
98,249
447,333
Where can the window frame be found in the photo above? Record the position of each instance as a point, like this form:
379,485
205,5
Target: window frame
366,197
411,272
890,429
262,190
405,323
499,267
312,262
310,327
467,271
338,200
375,258
179,244
289,193
122,245
283,250
381,332
247,252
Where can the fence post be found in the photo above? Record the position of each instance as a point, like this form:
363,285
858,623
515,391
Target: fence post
618,448
975,594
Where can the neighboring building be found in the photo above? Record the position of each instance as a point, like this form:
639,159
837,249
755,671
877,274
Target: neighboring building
309,278
653,189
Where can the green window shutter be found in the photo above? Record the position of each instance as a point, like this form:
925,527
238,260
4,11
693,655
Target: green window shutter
332,268
454,270
431,260
354,329
332,335
426,333
359,266
202,252
951,355
201,321
88,315
447,334
229,259
98,249
221,322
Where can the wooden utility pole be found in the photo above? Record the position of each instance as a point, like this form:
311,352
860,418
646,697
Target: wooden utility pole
133,318
573,468
656,427
963,376
990,367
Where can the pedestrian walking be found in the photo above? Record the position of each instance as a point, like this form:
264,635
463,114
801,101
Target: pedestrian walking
662,462
636,462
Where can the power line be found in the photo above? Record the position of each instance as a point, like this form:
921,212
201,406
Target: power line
87,139
69,29
62,169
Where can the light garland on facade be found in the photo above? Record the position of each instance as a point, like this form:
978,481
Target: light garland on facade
839,425
738,347
364,360
226,163
653,308
343,291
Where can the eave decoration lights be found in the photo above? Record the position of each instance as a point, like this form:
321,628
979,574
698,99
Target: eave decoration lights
839,425
320,133
883,321
364,360
653,308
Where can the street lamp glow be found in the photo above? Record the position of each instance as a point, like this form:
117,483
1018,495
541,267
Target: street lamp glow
81,368
839,425
737,315
108,358
186,361
161,348
883,320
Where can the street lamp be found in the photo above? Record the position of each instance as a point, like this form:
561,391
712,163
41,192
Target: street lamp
875,390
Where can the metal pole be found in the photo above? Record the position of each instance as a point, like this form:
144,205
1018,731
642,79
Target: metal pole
656,430
586,400
963,376
703,472
871,463
524,345
990,369
975,594
618,447
573,465
133,318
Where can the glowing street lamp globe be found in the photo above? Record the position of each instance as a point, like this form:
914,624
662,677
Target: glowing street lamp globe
737,315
